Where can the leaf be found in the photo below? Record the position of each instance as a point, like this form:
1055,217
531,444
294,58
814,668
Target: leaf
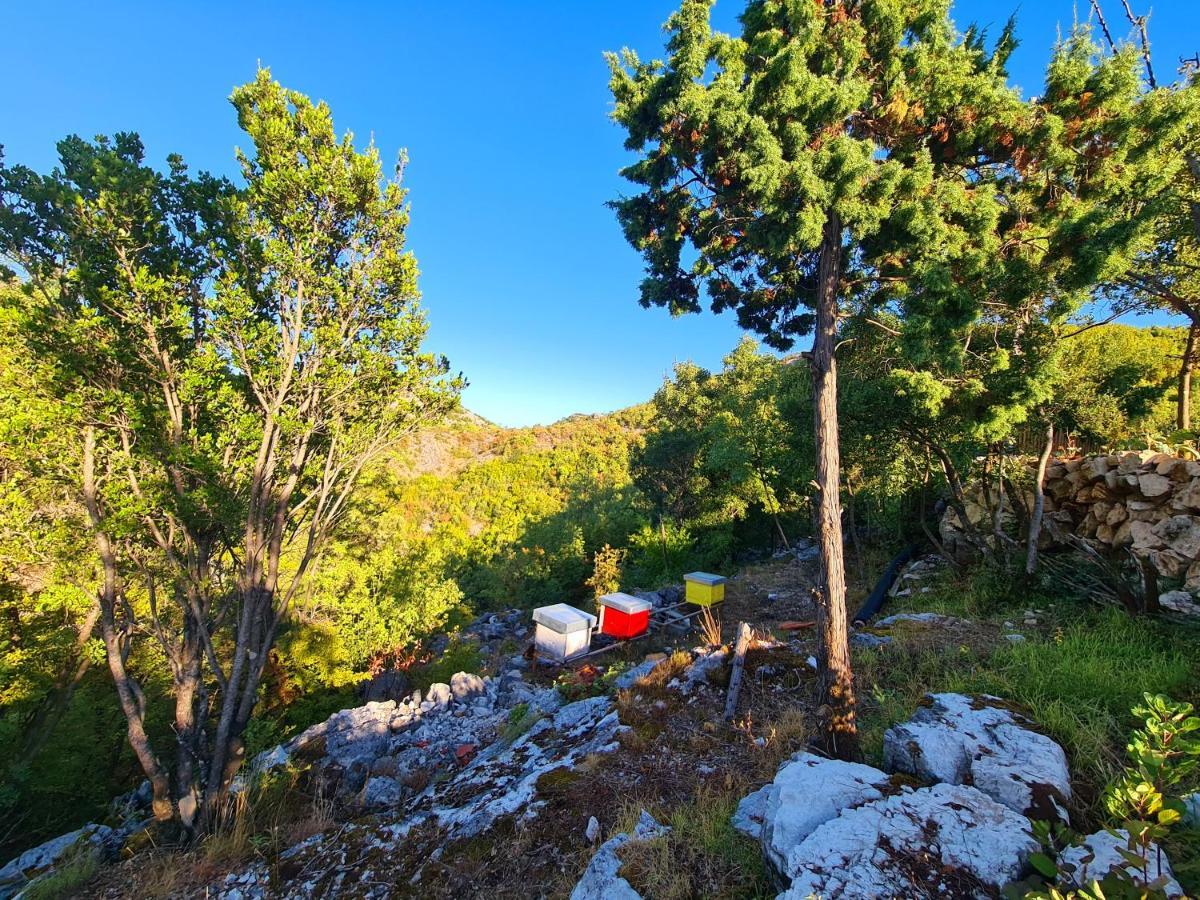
1044,864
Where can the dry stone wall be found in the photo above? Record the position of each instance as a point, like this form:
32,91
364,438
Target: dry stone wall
1144,502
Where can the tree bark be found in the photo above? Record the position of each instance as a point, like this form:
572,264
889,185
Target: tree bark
833,652
735,675
1183,417
1039,503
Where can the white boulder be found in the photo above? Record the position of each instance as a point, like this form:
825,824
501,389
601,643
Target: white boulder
940,840
1100,855
807,791
960,740
748,817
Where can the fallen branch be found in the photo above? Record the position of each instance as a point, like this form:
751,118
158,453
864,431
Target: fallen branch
739,665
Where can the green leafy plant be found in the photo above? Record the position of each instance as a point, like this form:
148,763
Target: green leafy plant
1163,754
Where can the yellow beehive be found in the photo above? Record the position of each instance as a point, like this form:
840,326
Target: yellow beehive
704,589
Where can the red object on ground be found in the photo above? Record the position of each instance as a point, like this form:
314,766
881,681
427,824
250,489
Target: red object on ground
463,753
623,616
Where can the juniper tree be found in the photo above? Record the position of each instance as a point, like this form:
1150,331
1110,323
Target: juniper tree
237,357
766,164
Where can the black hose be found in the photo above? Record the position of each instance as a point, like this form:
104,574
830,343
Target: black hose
874,601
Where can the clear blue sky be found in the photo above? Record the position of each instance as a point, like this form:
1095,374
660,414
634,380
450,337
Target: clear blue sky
503,108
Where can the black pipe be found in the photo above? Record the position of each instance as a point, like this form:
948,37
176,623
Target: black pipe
874,601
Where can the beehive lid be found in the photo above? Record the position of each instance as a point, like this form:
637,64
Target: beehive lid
704,578
626,603
563,619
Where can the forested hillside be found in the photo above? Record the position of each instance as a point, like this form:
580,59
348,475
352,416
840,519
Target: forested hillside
468,517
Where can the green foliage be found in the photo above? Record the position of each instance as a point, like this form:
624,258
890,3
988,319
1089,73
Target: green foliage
1117,382
1163,754
1145,800
459,656
606,571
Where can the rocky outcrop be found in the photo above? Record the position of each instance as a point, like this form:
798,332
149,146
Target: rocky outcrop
938,841
837,829
40,861
808,791
500,780
382,753
962,740
602,880
1146,502
1099,855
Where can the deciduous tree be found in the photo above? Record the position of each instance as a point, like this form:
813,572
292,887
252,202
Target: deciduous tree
238,356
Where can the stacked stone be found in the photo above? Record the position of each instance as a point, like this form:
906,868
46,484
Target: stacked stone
1146,502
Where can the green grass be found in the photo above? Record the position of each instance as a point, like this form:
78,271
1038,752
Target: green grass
702,856
520,719
1078,684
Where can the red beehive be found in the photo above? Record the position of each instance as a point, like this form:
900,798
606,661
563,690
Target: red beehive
623,616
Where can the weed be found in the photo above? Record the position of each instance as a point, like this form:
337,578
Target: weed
710,628
520,719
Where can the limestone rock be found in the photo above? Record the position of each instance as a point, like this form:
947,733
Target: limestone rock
1189,497
807,791
41,860
1144,536
381,793
464,685
1179,602
921,618
748,817
1154,485
1192,582
602,880
1099,855
1181,534
630,677
957,739
438,694
922,843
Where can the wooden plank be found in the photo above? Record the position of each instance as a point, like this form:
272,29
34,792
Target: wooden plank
739,665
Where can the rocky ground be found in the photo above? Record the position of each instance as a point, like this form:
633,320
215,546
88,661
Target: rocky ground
525,781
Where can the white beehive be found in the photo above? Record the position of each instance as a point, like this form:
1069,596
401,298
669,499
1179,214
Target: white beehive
562,631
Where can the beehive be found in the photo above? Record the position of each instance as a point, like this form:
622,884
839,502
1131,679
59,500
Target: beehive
704,589
562,632
624,616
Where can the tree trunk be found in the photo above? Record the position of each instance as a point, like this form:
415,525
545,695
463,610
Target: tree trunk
116,642
833,652
1183,417
1039,503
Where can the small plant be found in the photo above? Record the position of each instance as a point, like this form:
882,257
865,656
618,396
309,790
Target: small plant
1163,754
520,719
65,879
606,571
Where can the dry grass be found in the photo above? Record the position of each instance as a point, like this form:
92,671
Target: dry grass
710,628
702,856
